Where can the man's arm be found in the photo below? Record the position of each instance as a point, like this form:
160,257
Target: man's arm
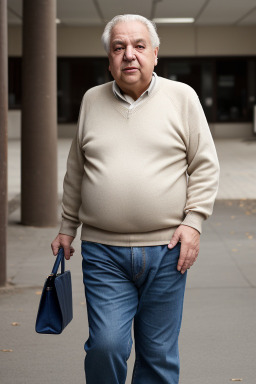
71,200
203,177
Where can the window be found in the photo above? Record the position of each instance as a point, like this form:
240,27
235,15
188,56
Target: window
14,82
226,86
231,90
197,73
75,77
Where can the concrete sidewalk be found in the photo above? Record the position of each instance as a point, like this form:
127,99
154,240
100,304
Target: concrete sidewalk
217,341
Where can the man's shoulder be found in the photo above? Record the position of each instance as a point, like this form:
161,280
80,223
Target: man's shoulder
99,90
176,89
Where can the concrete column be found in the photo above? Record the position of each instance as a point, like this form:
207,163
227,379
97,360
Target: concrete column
39,117
3,138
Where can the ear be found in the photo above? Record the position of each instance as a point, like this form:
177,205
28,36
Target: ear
155,54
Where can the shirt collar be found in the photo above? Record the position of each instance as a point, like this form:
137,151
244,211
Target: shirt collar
119,95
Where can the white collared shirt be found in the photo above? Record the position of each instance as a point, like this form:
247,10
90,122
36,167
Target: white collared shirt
127,100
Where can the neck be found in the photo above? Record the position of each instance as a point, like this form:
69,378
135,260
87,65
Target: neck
132,92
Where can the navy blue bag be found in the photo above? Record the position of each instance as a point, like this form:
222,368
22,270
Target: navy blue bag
55,308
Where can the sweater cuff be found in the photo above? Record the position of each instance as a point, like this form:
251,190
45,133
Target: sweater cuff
194,220
69,227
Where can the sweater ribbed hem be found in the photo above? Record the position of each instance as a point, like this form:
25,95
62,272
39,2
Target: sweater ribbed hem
159,237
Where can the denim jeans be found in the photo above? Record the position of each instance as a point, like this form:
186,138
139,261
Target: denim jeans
123,284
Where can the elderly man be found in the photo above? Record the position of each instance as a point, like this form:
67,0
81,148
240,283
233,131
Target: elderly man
142,175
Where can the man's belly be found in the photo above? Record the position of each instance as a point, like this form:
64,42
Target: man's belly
132,203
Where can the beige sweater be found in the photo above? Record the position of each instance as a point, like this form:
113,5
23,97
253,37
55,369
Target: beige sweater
133,176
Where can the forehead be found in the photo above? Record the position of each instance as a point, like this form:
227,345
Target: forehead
132,30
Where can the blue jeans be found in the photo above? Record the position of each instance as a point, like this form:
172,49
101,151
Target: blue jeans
123,284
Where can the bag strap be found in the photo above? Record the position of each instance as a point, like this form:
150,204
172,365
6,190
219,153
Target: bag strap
59,258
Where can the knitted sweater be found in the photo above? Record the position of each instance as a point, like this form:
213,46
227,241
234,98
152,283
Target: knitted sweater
133,176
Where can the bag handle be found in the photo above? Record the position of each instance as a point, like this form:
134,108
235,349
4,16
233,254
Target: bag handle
59,258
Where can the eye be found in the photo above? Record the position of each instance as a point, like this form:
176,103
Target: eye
139,46
117,49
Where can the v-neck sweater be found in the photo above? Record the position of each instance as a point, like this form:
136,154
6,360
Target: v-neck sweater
133,176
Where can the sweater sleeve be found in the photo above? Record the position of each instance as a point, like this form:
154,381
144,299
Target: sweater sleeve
203,166
71,200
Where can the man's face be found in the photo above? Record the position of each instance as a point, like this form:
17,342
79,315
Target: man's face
132,57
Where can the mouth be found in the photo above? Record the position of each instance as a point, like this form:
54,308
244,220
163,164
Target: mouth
130,69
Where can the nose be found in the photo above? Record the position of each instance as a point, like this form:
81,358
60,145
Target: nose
129,54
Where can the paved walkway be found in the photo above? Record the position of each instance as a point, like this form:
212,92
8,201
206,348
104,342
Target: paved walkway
217,342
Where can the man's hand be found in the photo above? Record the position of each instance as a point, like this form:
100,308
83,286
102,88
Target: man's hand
63,241
190,242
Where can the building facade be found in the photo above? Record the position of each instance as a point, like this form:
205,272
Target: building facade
219,62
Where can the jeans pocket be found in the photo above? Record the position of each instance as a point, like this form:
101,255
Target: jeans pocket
174,254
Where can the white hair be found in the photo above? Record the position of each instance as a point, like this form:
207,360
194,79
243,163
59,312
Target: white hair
105,38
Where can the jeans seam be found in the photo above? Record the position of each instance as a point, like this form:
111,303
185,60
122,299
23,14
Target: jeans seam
129,345
132,262
139,274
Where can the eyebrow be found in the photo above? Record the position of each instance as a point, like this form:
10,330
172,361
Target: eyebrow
115,42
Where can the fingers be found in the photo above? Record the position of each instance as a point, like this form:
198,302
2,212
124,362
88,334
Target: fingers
190,241
187,258
175,239
66,251
63,241
186,261
182,258
55,245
